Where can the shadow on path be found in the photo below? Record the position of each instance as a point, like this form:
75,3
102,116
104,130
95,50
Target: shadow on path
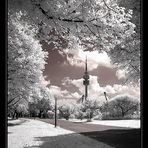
116,138
69,141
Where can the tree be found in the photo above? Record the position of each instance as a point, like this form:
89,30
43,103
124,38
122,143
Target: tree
22,110
79,114
43,106
128,59
40,107
40,101
32,109
127,55
93,24
121,106
87,109
26,59
90,107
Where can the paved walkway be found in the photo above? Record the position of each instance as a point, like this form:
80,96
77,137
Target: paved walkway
37,134
118,137
79,127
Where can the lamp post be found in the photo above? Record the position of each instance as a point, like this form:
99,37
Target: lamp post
106,102
105,97
55,119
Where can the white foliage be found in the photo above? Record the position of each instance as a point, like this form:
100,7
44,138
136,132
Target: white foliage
26,59
94,24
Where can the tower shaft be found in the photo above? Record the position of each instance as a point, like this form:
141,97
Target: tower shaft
86,80
86,92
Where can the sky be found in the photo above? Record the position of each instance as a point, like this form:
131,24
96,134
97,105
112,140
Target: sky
65,69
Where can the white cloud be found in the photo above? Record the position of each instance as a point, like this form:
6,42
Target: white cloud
94,88
125,89
120,74
109,89
95,58
55,91
63,94
76,95
97,92
125,95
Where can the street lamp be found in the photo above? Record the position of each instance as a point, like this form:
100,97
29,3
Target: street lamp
55,119
105,96
106,102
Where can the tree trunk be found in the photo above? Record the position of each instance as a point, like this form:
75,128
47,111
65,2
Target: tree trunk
40,114
123,114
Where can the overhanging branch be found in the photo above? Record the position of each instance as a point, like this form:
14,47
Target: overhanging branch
60,19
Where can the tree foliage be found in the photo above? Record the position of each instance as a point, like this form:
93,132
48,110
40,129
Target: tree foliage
64,111
40,107
122,106
88,109
127,54
26,60
94,24
102,23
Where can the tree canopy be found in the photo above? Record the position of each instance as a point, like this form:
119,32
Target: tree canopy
103,25
26,61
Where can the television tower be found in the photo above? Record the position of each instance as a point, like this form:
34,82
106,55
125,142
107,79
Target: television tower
86,80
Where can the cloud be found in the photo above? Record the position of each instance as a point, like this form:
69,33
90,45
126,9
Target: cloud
125,89
94,88
55,90
97,92
125,95
63,94
109,89
76,57
120,74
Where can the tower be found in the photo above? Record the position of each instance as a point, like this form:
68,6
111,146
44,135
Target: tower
86,80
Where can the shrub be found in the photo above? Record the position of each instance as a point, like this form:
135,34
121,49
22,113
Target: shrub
64,111
50,114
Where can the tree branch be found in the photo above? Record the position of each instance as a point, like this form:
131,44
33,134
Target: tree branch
14,103
91,31
11,100
60,19
109,7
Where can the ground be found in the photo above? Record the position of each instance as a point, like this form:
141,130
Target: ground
30,133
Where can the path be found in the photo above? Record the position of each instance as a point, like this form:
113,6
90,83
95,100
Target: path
119,137
80,127
37,134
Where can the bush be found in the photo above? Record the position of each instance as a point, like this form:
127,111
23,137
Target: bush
72,116
50,114
98,116
64,111
80,114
